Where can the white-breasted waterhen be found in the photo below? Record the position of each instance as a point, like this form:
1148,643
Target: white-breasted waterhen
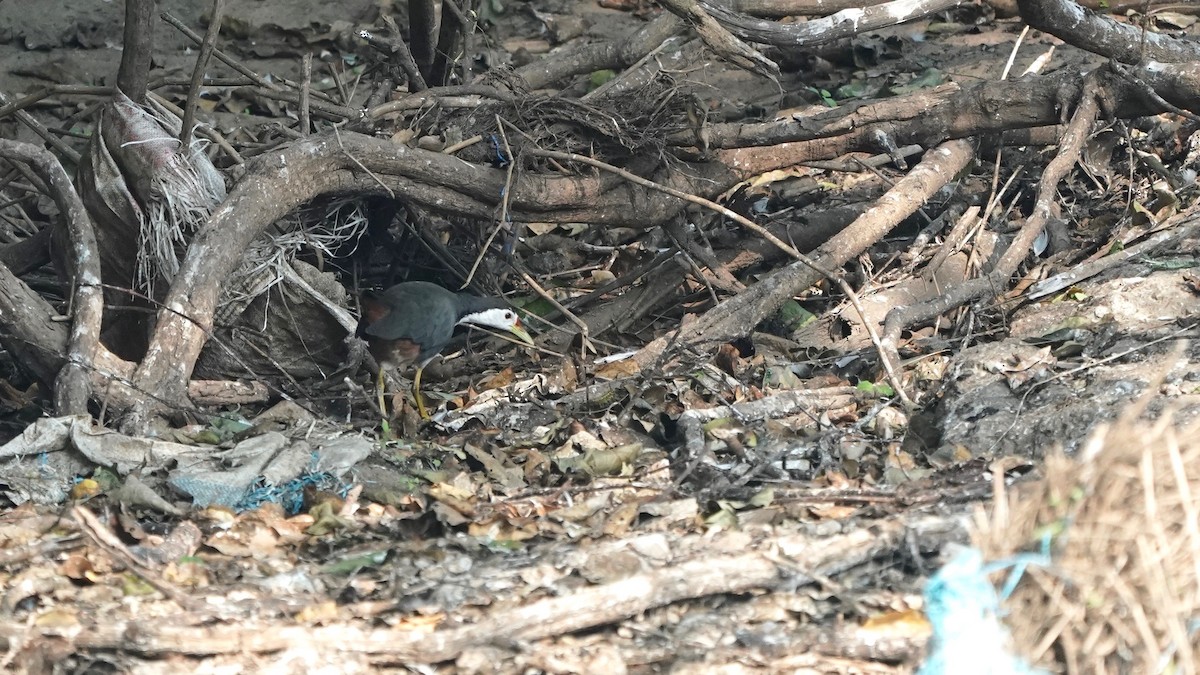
411,322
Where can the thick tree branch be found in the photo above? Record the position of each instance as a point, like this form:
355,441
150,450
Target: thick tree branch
1102,35
599,56
72,390
1058,168
137,49
844,24
359,164
739,315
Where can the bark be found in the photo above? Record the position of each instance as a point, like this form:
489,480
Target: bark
72,387
1102,35
138,49
347,163
844,24
739,315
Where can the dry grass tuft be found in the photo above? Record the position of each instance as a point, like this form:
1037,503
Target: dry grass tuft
1120,524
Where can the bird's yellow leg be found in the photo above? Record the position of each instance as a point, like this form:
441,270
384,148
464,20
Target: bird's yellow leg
380,390
417,394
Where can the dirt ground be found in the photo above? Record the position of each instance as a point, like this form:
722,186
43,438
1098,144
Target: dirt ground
772,509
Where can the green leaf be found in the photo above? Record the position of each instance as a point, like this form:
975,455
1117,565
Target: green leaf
599,77
793,317
875,389
763,498
353,564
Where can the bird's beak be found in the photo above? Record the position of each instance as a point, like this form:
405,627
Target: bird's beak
519,331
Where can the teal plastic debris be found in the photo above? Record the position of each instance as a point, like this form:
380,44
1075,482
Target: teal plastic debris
964,610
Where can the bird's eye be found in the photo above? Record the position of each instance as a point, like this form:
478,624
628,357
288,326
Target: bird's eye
508,315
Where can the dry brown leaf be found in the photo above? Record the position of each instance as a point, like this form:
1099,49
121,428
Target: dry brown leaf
621,521
420,623
16,399
839,480
910,624
85,489
499,470
599,278
499,380
319,613
453,505
615,370
833,511
246,540
78,567
502,530
58,617
189,574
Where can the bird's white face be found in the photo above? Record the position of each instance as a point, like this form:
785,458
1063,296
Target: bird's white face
499,318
